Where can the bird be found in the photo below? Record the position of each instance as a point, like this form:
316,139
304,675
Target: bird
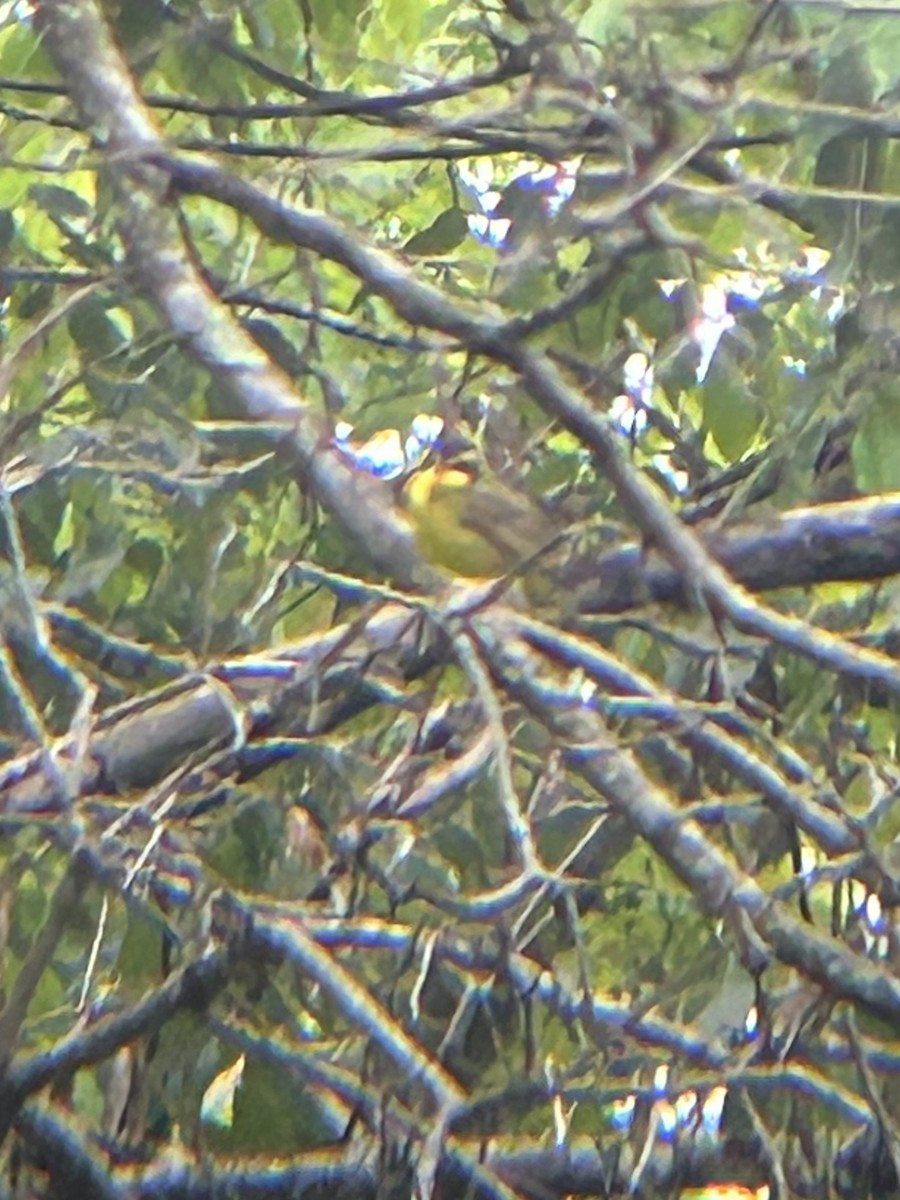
468,522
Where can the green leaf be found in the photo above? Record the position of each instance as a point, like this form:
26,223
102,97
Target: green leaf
7,228
731,413
59,201
93,331
217,1107
444,234
273,1114
875,450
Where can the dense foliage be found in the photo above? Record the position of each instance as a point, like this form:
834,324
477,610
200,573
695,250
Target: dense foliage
322,873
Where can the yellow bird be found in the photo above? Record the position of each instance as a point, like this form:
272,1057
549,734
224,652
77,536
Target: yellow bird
473,526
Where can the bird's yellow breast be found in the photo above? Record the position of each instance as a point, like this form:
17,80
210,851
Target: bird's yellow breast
475,528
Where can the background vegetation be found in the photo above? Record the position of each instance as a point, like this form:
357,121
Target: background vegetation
317,876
